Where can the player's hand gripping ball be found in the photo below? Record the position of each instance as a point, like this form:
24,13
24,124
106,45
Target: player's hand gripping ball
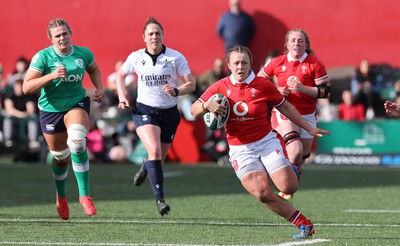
291,80
209,118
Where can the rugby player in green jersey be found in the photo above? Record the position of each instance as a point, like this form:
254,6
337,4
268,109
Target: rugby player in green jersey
57,72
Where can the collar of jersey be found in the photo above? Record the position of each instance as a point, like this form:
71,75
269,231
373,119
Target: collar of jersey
301,59
154,57
247,81
61,54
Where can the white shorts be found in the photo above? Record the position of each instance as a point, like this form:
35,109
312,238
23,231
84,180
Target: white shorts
277,118
265,155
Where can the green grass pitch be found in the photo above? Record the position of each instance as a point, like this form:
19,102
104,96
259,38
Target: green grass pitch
350,206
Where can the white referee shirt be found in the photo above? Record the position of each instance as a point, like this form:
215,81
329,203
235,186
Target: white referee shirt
152,77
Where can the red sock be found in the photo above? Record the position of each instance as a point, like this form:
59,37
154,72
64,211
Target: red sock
298,219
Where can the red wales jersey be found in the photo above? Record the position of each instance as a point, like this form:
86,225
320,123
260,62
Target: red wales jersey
248,120
308,70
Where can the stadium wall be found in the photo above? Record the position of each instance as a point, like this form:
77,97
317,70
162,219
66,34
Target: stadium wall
342,32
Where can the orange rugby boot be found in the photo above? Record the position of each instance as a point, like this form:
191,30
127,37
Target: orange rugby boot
88,205
62,207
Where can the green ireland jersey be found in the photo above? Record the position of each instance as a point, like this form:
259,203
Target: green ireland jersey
61,94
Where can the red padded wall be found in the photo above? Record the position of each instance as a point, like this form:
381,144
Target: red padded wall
342,33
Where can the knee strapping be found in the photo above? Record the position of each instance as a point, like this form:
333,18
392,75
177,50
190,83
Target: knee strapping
76,138
60,155
290,137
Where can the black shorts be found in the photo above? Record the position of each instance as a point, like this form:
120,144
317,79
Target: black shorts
53,122
167,119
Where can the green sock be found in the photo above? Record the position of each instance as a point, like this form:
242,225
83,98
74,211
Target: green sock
80,164
60,177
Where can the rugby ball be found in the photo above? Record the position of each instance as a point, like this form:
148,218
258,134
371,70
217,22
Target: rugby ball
209,118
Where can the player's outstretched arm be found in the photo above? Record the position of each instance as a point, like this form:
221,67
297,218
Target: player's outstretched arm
292,114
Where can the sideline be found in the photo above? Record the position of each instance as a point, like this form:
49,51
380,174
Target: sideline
370,211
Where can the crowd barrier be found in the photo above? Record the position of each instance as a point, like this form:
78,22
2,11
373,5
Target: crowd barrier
374,142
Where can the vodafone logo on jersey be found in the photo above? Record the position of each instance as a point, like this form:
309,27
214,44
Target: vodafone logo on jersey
240,108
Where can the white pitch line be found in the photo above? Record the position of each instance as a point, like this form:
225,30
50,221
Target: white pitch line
182,222
371,211
357,225
303,242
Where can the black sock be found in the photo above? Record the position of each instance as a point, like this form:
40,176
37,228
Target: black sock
156,177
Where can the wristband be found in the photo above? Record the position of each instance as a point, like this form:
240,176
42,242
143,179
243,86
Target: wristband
176,92
204,109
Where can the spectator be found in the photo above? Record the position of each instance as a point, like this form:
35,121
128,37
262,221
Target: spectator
350,111
184,103
235,26
21,65
20,109
103,148
133,148
116,152
216,145
95,142
110,101
362,86
216,73
326,111
396,87
209,77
